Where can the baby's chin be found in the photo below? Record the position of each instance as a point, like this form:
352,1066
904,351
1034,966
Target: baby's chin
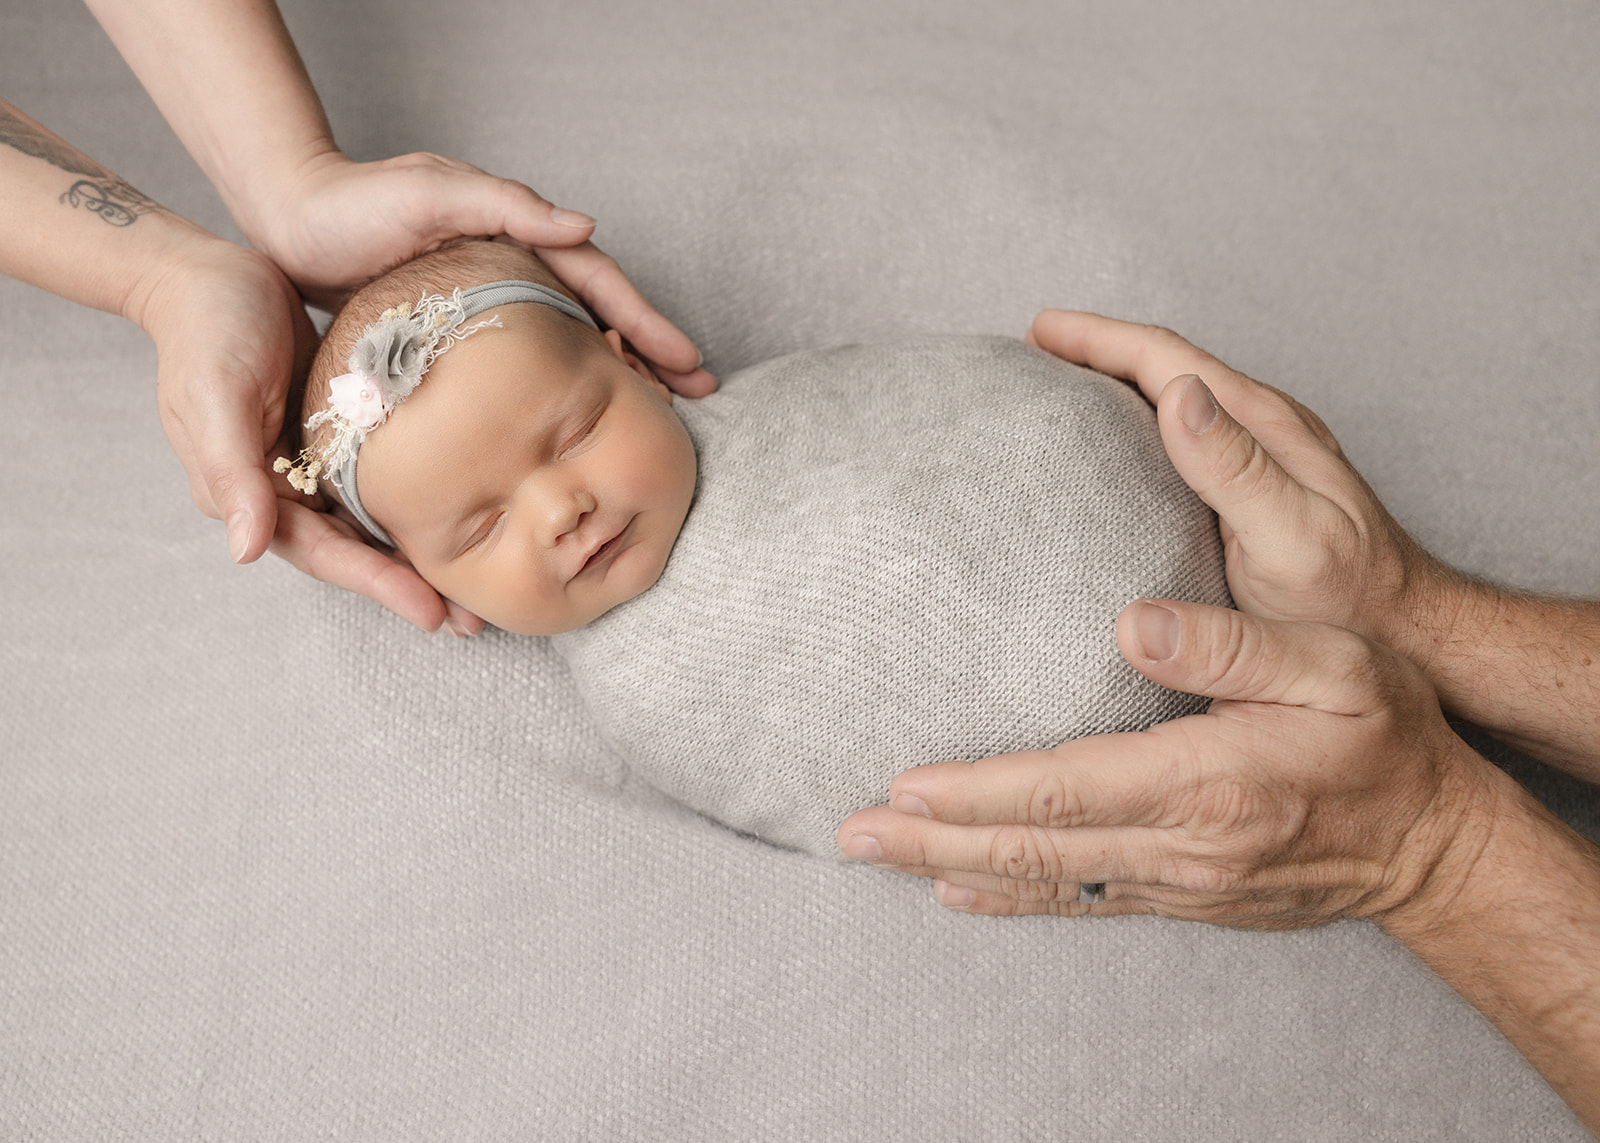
548,624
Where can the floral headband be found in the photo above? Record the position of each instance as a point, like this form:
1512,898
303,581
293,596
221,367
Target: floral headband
386,365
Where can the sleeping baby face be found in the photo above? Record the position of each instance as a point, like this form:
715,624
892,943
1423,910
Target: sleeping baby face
538,476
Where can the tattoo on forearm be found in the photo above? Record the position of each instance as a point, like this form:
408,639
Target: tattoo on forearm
100,192
113,200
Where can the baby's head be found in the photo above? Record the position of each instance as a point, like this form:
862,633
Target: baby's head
536,475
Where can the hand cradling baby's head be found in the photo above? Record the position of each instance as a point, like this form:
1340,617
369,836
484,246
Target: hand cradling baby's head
536,474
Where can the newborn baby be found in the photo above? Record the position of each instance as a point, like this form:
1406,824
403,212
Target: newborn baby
892,555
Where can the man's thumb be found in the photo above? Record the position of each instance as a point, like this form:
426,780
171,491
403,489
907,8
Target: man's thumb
1223,654
1227,467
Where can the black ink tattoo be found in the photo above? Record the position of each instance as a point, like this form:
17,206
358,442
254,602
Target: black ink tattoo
102,193
115,201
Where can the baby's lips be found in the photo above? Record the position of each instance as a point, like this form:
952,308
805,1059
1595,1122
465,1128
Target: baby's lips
604,547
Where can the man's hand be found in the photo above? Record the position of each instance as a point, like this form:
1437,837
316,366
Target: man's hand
1324,782
339,224
1304,535
1306,538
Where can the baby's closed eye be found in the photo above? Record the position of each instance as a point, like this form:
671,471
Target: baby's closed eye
482,534
588,425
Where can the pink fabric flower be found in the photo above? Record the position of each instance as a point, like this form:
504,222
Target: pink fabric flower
357,399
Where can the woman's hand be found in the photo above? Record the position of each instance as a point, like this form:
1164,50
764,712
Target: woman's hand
230,332
339,224
1304,535
1324,782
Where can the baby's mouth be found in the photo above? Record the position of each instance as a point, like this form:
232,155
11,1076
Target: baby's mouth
604,551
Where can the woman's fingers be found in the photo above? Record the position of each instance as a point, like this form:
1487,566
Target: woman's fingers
315,544
600,282
487,205
438,199
224,439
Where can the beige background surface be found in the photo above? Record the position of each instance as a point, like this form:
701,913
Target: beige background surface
273,865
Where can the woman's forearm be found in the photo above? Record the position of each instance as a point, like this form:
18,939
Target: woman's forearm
227,77
1515,929
76,229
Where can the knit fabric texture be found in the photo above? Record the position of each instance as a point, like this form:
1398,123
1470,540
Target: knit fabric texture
897,554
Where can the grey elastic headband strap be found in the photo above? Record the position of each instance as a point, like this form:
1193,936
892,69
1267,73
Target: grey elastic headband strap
474,301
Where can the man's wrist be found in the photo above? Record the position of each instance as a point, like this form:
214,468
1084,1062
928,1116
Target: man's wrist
1427,611
1523,666
1511,923
1455,847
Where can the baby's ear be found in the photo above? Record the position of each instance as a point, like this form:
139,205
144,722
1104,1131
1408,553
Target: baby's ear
633,361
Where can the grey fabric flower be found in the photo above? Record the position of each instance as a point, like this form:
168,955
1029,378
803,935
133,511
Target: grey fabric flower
392,350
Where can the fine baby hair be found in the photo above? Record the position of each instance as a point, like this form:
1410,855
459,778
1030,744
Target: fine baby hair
387,341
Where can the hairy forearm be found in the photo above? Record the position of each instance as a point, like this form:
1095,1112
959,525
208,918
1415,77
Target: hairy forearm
1524,667
227,77
76,229
1513,925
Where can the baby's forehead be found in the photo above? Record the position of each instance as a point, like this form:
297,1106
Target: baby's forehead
528,353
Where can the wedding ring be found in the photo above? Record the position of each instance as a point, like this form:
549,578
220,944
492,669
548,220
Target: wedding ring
1091,892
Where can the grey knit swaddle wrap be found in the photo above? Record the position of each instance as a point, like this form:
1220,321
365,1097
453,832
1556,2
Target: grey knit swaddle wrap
897,554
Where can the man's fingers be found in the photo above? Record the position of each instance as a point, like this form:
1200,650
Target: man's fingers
1229,655
1233,472
1153,358
976,893
599,281
1148,356
313,544
1104,780
1011,851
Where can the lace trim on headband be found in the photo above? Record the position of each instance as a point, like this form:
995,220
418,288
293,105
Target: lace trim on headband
386,366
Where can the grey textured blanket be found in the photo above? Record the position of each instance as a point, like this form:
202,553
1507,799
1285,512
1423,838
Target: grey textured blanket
897,554
275,866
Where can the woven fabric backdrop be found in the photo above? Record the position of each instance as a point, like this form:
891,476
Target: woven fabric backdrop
274,865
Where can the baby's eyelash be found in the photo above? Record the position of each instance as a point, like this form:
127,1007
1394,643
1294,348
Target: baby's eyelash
586,432
483,533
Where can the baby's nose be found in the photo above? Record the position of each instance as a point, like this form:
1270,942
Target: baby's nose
563,513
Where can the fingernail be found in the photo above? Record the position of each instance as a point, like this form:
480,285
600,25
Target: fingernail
910,804
954,896
456,628
1197,409
1157,629
862,847
238,535
561,216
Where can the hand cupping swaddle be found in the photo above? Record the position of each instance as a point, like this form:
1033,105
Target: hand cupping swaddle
897,554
